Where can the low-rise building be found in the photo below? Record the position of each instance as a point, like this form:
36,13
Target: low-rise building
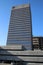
38,43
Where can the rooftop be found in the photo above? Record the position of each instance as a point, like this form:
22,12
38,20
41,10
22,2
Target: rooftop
20,6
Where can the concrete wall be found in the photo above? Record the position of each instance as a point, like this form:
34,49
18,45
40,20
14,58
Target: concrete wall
4,64
22,52
30,57
27,64
12,47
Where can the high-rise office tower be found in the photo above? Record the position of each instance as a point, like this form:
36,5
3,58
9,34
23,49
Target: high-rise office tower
20,28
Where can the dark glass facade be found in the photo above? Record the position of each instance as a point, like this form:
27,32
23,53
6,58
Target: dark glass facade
20,31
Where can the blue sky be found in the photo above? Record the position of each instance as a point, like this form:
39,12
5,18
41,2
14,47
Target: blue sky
5,12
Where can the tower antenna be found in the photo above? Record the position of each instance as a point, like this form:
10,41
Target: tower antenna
29,1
